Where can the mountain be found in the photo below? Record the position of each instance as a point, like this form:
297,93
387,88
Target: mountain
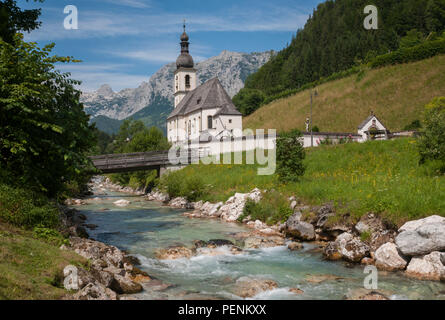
152,101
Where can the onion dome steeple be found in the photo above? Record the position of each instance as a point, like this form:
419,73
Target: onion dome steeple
185,60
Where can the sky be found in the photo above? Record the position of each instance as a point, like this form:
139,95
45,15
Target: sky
123,42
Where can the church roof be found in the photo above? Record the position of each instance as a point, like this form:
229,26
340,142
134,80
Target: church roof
364,123
209,95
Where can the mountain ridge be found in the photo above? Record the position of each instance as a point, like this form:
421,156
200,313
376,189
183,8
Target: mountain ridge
152,101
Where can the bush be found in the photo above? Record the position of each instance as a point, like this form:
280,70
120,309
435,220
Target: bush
290,156
404,55
413,126
26,209
432,142
50,235
271,209
177,184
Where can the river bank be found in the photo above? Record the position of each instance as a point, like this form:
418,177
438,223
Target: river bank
178,251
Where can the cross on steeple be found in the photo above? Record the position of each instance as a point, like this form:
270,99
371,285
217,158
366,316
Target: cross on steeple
184,25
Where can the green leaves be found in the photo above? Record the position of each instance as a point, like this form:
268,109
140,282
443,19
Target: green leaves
45,131
290,156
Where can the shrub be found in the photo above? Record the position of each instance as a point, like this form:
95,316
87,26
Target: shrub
194,188
173,184
413,126
50,235
290,156
271,209
404,55
26,209
432,142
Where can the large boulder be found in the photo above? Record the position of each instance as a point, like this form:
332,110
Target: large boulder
351,248
247,287
422,237
388,258
331,252
121,203
299,229
95,291
429,267
234,207
124,285
179,203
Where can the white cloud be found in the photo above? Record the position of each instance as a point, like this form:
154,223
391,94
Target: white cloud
96,24
131,3
95,75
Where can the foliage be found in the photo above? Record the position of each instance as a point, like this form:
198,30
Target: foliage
134,136
404,55
248,100
271,209
179,184
413,126
45,133
413,38
432,142
290,156
13,19
50,235
26,209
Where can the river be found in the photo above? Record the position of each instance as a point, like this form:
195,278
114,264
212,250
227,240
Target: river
142,227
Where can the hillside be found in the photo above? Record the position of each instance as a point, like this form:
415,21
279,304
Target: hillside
383,177
334,39
152,101
397,94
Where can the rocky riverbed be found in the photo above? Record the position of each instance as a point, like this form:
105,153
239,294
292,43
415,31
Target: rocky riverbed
181,250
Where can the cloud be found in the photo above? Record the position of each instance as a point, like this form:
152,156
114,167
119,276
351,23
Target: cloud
95,75
99,24
131,3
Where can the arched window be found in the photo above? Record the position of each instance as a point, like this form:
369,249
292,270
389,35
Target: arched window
187,81
200,124
190,127
209,122
194,125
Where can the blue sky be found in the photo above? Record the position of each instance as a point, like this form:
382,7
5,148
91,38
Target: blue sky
123,42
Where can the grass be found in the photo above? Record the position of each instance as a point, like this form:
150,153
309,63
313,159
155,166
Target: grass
382,177
397,94
30,268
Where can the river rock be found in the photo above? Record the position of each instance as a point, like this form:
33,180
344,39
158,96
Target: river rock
179,203
422,237
95,250
121,203
388,258
246,287
296,291
257,242
319,278
331,252
323,214
299,229
428,267
173,253
124,285
363,294
369,223
351,249
234,207
295,246
95,291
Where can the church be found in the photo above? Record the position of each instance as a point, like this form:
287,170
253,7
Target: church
200,112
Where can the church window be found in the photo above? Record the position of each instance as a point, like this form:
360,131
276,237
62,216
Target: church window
200,124
190,127
209,122
199,100
230,120
187,81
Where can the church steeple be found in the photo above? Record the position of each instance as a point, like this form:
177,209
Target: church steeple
185,74
185,60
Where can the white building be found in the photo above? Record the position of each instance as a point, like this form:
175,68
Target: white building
373,129
201,111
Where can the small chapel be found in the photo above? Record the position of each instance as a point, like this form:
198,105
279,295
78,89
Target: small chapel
204,111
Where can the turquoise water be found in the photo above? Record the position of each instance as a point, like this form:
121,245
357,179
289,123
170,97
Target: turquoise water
142,227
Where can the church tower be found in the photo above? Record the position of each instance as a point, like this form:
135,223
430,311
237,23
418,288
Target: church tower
185,74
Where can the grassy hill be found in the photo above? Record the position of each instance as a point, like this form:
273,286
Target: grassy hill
383,177
397,94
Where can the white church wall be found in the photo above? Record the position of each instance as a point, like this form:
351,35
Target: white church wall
368,125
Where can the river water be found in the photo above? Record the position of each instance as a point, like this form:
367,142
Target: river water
143,226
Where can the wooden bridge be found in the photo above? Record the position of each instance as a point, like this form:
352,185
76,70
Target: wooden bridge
158,160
